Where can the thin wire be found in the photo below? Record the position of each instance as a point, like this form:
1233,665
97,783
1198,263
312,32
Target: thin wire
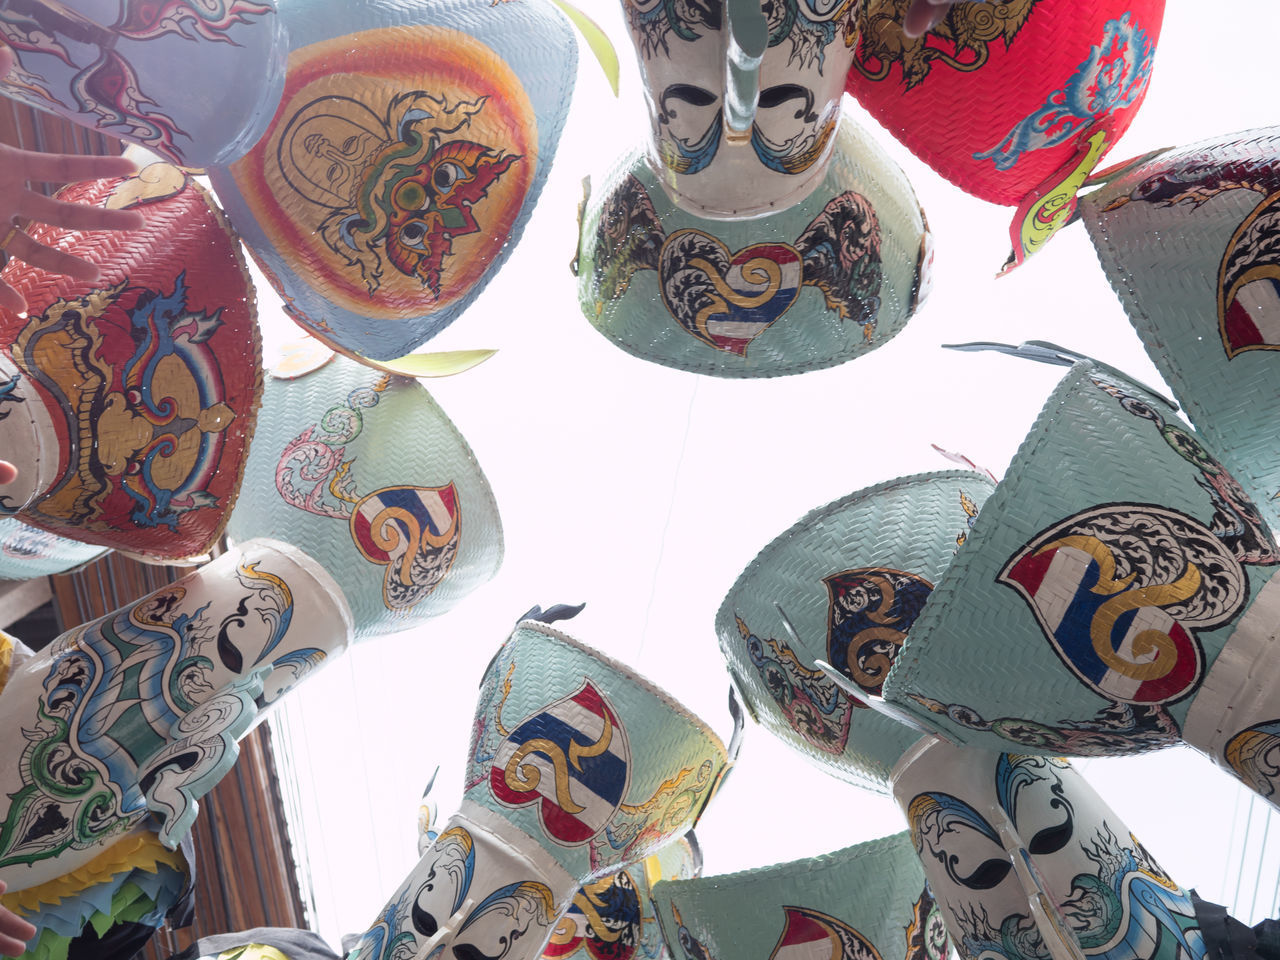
1244,845
666,523
1262,854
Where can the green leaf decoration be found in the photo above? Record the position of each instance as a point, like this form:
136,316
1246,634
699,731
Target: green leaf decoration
596,39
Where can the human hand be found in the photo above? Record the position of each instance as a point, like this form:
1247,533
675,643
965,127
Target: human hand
8,472
19,204
924,15
14,931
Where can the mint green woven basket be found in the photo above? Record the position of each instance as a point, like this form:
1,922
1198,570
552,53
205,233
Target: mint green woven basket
1190,241
1105,574
407,528
646,766
844,585
868,900
813,285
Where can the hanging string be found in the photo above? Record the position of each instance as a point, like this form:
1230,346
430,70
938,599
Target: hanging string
1244,846
666,523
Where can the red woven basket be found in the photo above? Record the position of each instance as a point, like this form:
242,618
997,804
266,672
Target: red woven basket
1015,102
152,375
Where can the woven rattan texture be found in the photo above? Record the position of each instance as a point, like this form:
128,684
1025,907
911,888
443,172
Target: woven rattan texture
872,888
152,375
984,76
1103,455
28,552
638,288
672,760
367,474
1187,241
850,578
418,255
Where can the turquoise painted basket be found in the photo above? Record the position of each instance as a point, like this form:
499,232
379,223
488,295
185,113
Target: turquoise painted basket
665,762
818,283
27,552
1105,574
844,585
868,900
409,147
577,768
409,529
1190,241
194,82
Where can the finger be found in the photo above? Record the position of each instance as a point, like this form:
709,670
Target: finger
47,258
12,947
11,299
64,167
922,15
76,216
8,472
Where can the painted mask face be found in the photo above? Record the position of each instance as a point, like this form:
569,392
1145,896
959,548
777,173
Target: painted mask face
432,205
772,163
448,869
1106,891
512,921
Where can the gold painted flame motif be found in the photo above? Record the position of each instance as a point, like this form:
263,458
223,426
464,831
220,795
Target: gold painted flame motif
1146,642
524,777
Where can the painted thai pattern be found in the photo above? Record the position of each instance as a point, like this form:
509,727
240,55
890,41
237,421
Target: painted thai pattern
869,612
107,86
606,921
1120,592
1117,728
809,700
538,752
812,933
970,508
413,532
1249,274
727,298
689,944
1127,910
1114,76
439,890
572,759
961,41
1236,520
1122,906
146,408
927,933
805,29
1254,755
129,722
396,196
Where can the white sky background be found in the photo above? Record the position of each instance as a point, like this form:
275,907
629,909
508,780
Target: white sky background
645,491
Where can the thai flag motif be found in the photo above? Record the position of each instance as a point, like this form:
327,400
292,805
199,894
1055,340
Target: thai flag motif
572,759
1252,318
811,935
413,532
1119,591
1071,599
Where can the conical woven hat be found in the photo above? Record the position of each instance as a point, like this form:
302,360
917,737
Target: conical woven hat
195,83
844,585
868,900
408,528
1189,241
1012,102
27,552
408,150
819,283
1102,579
647,766
151,376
